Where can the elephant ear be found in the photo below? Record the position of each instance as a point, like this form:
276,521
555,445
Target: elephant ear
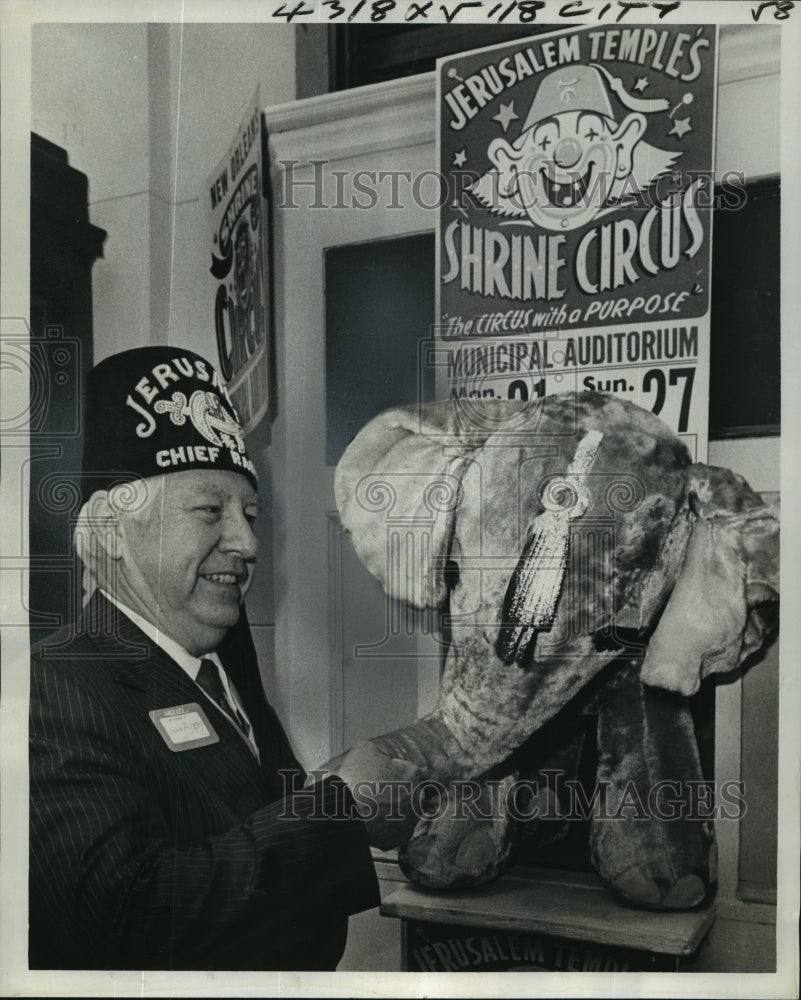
724,602
397,489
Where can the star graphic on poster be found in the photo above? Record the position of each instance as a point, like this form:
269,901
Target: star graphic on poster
642,83
680,126
460,158
506,115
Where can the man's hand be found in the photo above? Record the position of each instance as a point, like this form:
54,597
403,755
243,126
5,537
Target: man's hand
383,789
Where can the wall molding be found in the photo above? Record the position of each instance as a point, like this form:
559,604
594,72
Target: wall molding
354,123
748,51
398,113
336,663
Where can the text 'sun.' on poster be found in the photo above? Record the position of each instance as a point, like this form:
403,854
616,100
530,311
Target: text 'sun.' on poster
575,244
239,292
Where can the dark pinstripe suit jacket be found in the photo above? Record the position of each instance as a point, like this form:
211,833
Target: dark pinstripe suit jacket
141,857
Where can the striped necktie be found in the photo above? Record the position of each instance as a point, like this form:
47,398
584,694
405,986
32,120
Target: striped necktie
209,679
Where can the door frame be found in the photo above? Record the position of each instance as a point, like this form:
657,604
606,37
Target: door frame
325,140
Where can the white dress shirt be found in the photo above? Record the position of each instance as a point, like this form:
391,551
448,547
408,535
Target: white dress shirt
189,664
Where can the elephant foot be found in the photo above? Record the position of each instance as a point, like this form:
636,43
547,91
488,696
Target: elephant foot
649,844
689,891
635,886
431,862
460,847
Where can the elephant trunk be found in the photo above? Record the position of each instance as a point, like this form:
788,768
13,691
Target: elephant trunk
488,709
430,745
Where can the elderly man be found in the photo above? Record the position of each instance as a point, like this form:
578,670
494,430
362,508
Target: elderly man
161,833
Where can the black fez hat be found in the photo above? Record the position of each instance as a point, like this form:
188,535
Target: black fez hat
155,410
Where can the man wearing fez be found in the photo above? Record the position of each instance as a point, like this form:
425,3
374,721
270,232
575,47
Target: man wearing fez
161,832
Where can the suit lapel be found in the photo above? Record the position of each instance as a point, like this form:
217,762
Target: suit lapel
238,656
137,663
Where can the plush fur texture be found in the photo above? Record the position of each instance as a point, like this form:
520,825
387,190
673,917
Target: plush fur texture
462,483
655,848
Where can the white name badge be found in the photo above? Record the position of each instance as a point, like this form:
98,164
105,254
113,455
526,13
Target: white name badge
184,727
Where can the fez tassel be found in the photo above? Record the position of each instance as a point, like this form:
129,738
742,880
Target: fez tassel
534,587
536,583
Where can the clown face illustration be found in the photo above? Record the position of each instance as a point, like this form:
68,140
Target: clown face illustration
573,158
565,168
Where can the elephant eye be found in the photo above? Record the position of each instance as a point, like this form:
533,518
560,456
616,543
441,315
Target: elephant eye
451,573
620,640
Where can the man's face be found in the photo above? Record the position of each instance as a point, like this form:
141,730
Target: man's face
187,564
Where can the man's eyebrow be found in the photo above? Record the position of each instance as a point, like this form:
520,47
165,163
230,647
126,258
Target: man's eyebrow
207,492
200,494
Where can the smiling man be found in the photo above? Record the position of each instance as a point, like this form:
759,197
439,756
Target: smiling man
197,565
160,837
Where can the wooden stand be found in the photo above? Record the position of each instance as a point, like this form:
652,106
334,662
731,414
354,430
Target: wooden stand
538,919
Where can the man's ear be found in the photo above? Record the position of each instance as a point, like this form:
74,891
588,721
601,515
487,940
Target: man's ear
104,527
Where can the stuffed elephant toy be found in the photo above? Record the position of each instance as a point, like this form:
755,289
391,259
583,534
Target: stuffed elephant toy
572,547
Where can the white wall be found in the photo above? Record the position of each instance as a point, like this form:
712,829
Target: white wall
218,68
146,111
90,95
